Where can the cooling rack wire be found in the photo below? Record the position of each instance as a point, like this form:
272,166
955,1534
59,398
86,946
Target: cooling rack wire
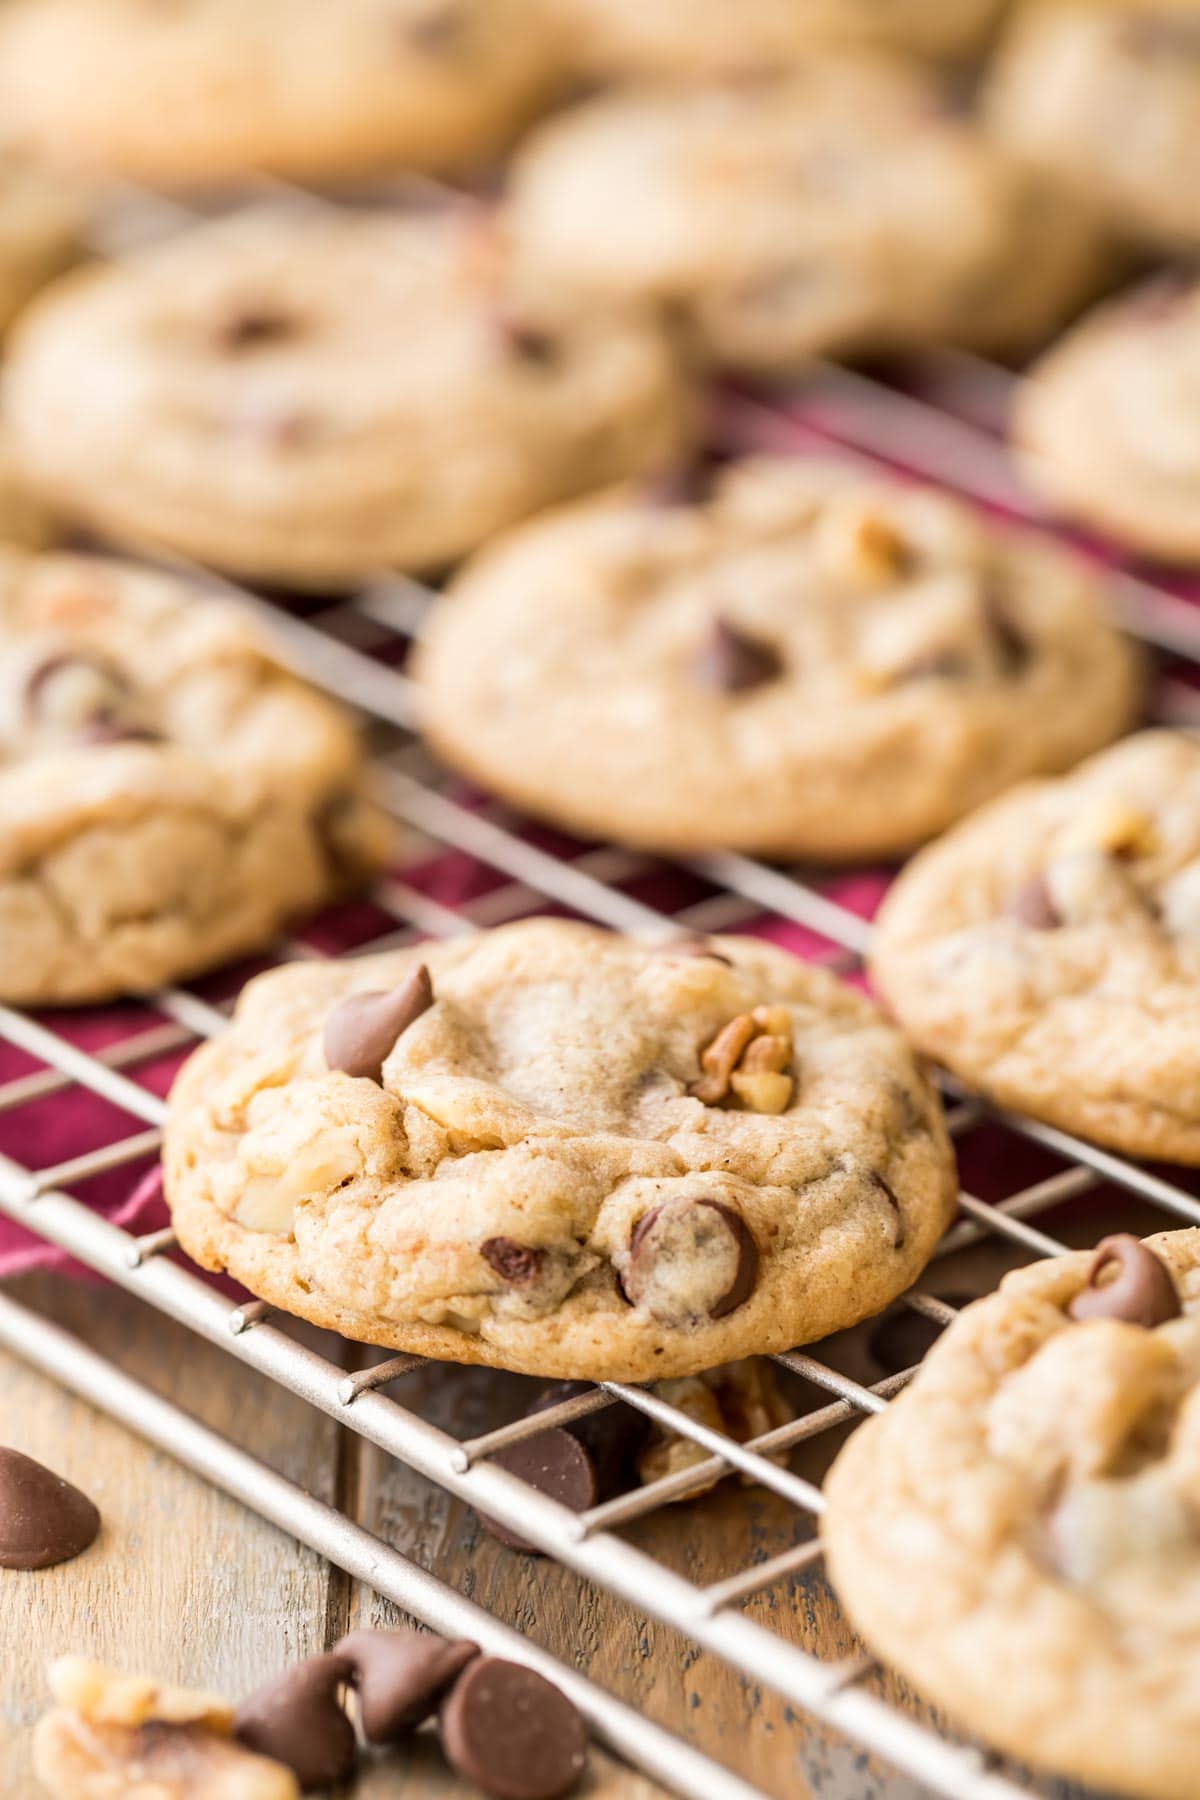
941,422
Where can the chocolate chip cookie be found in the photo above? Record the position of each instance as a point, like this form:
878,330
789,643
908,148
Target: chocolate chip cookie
169,795
307,396
797,659
41,231
563,1152
1048,950
841,208
1016,1533
704,37
1107,100
215,90
1108,423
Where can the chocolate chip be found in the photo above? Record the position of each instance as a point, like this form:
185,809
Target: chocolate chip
1032,906
43,1519
730,661
614,1437
362,1029
516,1263
508,1730
528,343
436,31
1143,1292
690,1259
401,1676
556,1464
903,1337
1013,648
299,1720
108,685
690,484
254,328
692,943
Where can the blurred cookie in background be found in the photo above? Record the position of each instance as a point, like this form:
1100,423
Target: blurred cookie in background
169,794
216,90
1108,423
42,223
843,208
703,37
797,660
305,396
1107,99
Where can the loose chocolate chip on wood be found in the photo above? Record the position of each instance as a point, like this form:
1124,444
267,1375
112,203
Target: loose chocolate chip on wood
556,1464
690,1259
1032,906
731,661
614,1436
508,1730
1143,1292
362,1029
401,1676
299,1720
516,1263
43,1519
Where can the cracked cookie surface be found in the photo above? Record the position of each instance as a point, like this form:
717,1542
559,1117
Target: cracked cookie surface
308,397
216,89
843,208
534,1183
169,795
1108,422
1048,949
803,660
1016,1534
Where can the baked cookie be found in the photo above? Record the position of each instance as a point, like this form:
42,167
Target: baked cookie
1106,98
307,396
563,1152
1108,423
707,37
169,795
216,90
842,208
1016,1533
804,661
1048,950
41,231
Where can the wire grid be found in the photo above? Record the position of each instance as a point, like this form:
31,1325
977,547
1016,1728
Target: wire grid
942,425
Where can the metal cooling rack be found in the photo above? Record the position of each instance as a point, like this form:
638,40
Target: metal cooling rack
950,438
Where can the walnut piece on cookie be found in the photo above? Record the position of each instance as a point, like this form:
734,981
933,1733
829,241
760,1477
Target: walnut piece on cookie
528,1179
909,661
1048,949
169,794
120,1737
306,396
1017,1532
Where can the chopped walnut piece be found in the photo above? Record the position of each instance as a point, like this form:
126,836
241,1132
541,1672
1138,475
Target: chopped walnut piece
737,1398
860,545
118,1737
750,1058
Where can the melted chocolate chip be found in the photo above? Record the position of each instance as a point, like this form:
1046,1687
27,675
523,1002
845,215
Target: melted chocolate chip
731,661
530,344
38,683
254,328
299,1720
1143,1292
362,1029
513,1734
1032,906
401,1676
516,1263
556,1464
43,1519
679,1250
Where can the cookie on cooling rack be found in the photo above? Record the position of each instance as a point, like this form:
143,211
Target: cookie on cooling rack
169,795
705,37
1108,423
41,231
1048,950
1016,1533
1107,99
561,1151
217,89
841,208
803,661
306,396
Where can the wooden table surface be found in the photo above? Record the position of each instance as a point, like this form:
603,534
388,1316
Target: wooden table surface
186,1584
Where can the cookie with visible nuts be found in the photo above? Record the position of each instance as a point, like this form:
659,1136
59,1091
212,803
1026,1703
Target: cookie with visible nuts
806,661
1016,1533
537,1176
1048,949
